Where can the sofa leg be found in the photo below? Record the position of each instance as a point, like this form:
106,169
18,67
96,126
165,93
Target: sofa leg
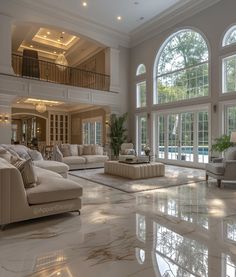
207,177
77,211
219,183
3,227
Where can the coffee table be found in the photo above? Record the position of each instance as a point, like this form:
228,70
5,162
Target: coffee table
135,171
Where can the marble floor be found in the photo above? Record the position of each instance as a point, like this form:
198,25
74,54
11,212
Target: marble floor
179,231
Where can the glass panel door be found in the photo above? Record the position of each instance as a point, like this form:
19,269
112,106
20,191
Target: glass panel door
173,137
187,137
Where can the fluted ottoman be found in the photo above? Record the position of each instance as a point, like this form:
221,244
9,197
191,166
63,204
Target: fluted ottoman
134,171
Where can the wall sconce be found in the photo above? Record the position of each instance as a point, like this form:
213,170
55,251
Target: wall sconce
4,118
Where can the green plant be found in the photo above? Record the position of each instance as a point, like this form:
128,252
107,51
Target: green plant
221,144
117,132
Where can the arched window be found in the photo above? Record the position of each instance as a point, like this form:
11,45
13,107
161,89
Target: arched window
181,68
141,70
229,63
141,87
230,36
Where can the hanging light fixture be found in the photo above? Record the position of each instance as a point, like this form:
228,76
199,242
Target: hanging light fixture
41,107
61,61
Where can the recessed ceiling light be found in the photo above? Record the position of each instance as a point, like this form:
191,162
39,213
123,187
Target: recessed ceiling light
31,46
59,40
54,52
85,4
119,17
44,36
48,33
63,33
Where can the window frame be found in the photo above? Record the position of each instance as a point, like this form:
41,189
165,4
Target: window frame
156,61
226,34
141,78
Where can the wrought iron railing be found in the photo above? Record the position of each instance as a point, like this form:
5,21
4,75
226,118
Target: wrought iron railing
50,72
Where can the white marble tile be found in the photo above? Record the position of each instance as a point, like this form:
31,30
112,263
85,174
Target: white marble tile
180,231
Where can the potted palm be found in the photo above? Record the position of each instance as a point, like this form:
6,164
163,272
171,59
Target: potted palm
117,132
221,144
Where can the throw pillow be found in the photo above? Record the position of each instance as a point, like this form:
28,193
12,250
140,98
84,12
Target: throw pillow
27,172
87,150
80,150
74,149
99,150
5,154
35,155
65,150
21,150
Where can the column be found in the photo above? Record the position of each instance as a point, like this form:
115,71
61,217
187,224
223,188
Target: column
112,67
5,44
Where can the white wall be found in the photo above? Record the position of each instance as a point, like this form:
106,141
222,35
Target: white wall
212,23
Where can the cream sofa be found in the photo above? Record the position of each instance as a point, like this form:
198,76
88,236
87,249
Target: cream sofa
53,194
80,156
25,153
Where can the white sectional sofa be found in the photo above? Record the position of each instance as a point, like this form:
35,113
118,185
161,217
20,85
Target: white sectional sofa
51,194
26,153
80,156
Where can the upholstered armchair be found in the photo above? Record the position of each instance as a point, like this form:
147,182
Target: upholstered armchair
127,152
223,169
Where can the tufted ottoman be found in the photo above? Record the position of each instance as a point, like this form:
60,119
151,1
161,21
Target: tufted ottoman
134,171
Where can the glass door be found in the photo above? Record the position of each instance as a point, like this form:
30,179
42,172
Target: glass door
173,149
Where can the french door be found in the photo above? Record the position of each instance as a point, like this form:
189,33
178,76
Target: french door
182,136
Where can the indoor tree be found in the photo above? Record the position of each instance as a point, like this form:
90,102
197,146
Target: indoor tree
117,132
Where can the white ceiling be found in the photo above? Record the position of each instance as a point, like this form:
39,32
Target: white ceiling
105,12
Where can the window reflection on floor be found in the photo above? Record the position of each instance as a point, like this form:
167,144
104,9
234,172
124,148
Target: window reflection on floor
179,256
140,255
141,227
229,266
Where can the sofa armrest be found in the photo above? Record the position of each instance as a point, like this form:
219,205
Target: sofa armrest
57,155
217,160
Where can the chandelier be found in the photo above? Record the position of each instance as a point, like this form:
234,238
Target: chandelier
41,107
61,61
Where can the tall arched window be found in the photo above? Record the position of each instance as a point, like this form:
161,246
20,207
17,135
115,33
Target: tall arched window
229,62
181,68
141,87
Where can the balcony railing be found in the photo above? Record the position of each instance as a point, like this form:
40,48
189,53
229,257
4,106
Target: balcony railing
50,72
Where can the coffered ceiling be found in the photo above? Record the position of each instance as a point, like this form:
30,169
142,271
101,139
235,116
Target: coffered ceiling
49,43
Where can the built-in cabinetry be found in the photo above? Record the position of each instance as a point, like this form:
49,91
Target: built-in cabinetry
59,127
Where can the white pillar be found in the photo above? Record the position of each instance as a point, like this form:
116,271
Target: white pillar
112,66
5,44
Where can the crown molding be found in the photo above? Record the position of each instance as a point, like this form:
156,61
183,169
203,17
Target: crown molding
168,19
80,26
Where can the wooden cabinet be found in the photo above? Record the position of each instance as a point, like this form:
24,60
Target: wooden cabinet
59,127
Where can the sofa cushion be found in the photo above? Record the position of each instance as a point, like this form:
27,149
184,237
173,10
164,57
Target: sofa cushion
52,165
52,190
95,158
215,168
4,154
74,160
35,155
27,172
65,150
74,149
88,149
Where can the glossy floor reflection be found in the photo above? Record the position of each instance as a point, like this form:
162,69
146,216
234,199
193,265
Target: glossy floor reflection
180,231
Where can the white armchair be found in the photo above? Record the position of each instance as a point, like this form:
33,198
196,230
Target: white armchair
223,169
127,152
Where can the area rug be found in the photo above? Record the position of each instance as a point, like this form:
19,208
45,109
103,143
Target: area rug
174,176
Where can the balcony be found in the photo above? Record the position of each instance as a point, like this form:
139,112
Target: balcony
50,72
